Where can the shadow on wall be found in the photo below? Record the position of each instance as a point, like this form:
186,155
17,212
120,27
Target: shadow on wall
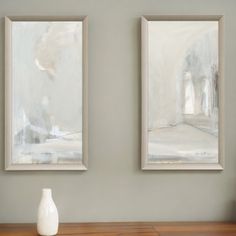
233,211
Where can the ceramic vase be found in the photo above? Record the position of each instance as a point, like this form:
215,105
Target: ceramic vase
47,223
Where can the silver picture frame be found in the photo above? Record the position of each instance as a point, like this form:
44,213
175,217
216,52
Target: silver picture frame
194,144
43,131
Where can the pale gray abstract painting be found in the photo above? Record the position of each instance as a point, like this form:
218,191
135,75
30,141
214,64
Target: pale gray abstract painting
183,92
47,92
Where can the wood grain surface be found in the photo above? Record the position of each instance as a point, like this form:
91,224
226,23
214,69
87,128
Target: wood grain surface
128,229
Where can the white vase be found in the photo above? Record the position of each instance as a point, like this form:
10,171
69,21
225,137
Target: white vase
47,223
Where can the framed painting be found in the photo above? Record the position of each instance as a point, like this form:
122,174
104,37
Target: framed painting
182,93
46,93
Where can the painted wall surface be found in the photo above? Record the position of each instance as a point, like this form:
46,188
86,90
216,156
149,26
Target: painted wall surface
115,188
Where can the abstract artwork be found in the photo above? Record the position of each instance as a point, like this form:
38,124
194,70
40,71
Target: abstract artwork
181,79
46,90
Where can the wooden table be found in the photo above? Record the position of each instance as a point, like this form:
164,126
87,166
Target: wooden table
127,229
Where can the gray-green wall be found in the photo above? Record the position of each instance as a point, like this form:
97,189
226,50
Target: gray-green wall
114,188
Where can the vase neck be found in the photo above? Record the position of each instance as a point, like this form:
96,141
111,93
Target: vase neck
46,193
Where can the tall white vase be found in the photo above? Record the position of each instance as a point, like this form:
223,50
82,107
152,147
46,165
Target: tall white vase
47,223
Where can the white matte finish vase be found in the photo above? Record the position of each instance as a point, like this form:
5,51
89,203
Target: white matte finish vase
48,221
